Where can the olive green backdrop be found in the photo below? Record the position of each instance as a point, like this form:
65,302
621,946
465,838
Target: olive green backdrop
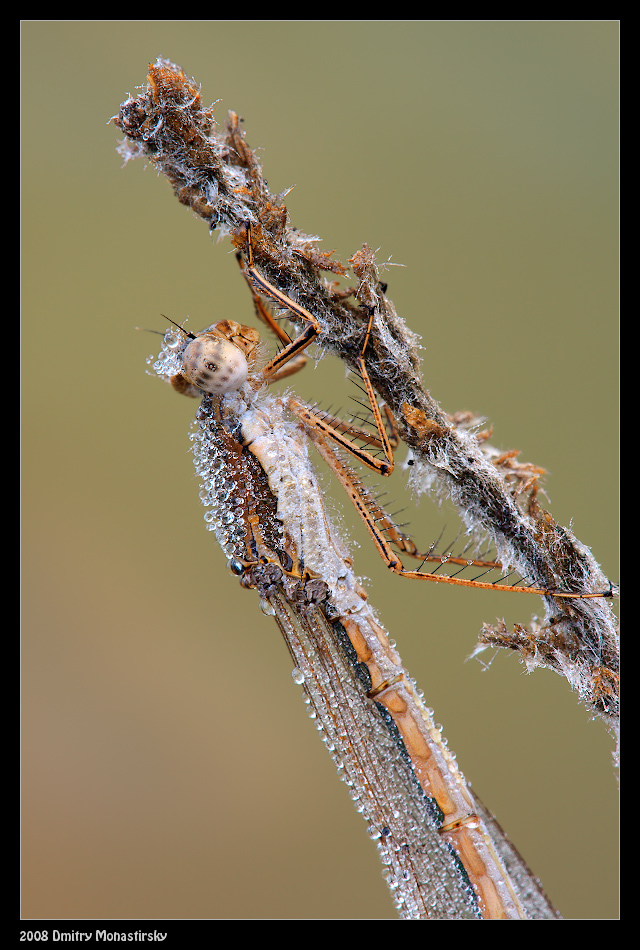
169,768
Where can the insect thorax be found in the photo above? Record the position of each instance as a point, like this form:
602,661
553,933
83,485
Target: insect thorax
241,509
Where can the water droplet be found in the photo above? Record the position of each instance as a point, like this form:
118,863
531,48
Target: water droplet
266,608
297,676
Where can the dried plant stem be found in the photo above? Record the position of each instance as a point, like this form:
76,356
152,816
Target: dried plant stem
217,175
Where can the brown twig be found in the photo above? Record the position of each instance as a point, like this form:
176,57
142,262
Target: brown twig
217,175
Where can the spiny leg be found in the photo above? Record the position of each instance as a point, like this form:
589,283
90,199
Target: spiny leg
373,402
320,426
295,362
292,348
383,521
257,282
262,312
376,521
325,424
363,435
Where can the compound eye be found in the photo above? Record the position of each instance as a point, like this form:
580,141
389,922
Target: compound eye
214,365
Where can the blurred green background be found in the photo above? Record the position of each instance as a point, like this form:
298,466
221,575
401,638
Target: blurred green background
169,768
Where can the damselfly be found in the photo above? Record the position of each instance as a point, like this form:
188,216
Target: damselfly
446,857
443,856
223,362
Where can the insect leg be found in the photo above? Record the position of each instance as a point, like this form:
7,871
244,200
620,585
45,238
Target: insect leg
326,425
376,521
292,348
364,435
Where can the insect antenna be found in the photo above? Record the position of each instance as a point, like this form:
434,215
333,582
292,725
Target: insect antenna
191,336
